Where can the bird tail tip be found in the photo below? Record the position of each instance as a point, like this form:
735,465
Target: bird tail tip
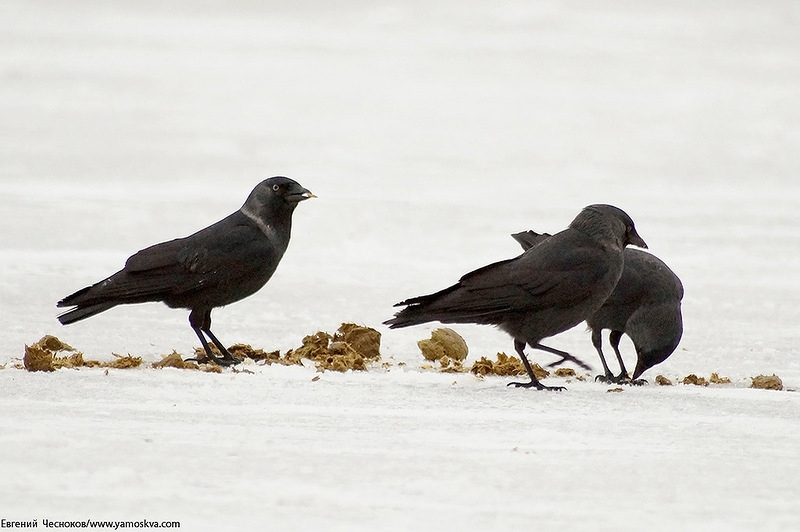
81,313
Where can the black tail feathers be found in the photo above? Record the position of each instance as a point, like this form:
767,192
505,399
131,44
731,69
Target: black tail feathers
84,312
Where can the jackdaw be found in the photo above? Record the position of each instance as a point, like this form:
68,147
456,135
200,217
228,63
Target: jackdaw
548,289
645,305
215,266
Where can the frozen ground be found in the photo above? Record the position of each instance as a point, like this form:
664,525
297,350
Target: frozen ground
430,131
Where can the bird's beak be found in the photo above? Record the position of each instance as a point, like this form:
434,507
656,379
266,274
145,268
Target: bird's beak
635,240
300,195
640,368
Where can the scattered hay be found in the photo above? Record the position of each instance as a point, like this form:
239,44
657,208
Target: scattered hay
444,342
694,379
350,348
41,356
364,340
701,381
123,362
449,365
247,351
77,361
38,359
565,372
502,366
74,361
340,356
716,379
506,366
764,382
539,371
174,360
52,343
326,354
313,346
614,390
200,353
663,381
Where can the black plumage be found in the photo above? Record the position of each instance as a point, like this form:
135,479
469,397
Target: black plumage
546,290
645,305
215,266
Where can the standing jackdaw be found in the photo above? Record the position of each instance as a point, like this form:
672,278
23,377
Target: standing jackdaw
215,266
645,305
548,289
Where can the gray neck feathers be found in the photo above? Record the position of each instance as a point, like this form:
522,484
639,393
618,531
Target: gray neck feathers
265,228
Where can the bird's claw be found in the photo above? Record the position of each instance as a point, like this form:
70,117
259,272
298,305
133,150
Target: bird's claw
608,379
620,379
537,385
220,361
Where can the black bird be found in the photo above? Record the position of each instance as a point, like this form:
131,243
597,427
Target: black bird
215,266
548,289
645,305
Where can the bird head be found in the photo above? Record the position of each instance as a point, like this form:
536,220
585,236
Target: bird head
649,358
632,237
276,194
284,188
624,227
656,334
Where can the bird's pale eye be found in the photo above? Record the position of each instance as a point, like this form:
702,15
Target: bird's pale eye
276,187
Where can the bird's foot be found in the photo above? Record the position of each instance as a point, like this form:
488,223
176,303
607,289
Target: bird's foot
620,379
624,378
537,385
611,379
228,361
220,361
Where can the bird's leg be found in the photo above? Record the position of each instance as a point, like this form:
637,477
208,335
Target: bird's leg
209,354
623,377
519,346
597,341
198,319
227,359
564,357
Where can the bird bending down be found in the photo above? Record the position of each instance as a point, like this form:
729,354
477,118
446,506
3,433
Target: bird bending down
215,266
548,289
645,305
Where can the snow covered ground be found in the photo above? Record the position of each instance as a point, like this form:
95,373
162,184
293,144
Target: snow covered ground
430,131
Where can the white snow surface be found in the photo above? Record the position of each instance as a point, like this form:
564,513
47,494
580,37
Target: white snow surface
430,131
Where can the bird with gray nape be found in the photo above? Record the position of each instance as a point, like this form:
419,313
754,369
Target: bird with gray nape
645,305
218,265
548,289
